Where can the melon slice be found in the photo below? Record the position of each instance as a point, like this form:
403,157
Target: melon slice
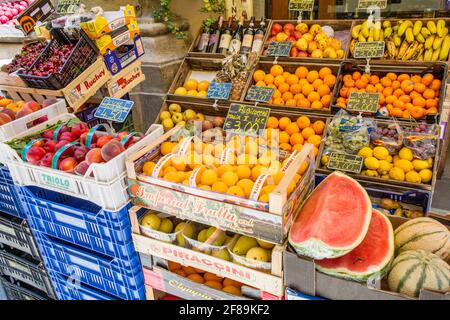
371,258
333,220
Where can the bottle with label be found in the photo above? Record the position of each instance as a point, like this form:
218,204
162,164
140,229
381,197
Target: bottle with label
249,34
204,40
225,38
236,41
259,36
214,37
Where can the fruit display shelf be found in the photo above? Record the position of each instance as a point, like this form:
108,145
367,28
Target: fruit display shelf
268,221
300,274
388,178
270,281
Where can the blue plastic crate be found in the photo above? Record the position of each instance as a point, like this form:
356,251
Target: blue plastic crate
122,278
9,196
68,289
15,291
78,221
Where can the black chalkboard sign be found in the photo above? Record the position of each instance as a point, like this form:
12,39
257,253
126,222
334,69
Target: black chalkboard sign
301,5
364,4
363,102
37,11
345,162
367,50
246,120
260,94
279,49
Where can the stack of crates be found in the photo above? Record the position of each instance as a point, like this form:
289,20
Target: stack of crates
87,250
22,273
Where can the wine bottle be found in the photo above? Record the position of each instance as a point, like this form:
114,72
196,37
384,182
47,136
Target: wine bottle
214,37
236,41
204,40
259,36
249,34
225,38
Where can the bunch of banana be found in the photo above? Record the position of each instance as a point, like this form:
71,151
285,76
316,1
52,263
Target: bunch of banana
368,32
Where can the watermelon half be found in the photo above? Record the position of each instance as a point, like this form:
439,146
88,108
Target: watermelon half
333,220
372,257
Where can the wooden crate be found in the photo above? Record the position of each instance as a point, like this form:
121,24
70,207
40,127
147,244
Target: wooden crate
438,69
194,44
337,25
412,186
290,67
269,282
28,94
269,222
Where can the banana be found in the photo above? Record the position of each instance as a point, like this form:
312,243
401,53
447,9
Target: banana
387,32
420,58
377,35
391,49
432,27
445,48
437,43
417,27
365,30
395,28
425,32
386,24
397,40
371,31
355,31
435,55
410,51
370,39
352,46
440,28
402,50
418,51
401,30
445,32
361,38
428,54
420,38
429,42
409,35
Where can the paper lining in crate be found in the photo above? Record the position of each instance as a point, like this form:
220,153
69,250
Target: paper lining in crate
268,221
269,281
103,183
19,125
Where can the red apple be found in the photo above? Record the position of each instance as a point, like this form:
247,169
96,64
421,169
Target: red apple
297,34
302,54
276,28
288,28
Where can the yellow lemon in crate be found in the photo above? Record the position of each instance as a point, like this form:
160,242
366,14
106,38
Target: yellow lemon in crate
420,164
380,153
384,167
371,163
406,154
365,152
413,176
426,175
397,173
404,164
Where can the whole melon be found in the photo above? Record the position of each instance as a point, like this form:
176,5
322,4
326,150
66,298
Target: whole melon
425,234
414,270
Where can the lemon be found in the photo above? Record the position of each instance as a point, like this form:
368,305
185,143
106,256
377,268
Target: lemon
397,173
380,153
384,167
389,158
181,91
404,164
396,157
371,163
325,160
430,163
363,173
426,175
413,176
406,154
371,173
385,176
365,152
420,164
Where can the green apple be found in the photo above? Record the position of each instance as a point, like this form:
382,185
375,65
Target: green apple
177,117
151,220
200,117
174,107
165,115
189,114
166,226
167,124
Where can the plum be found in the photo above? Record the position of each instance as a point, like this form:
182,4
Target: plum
10,113
35,154
48,134
111,150
68,136
68,164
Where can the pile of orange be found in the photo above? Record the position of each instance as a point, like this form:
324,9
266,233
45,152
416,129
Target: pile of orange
194,88
293,135
208,279
304,88
403,95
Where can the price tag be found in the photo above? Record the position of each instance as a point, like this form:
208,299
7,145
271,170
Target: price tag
345,162
114,109
37,11
260,94
363,102
279,49
219,91
68,6
301,5
364,4
246,120
368,50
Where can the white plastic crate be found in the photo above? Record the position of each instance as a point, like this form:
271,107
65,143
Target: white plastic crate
17,126
106,188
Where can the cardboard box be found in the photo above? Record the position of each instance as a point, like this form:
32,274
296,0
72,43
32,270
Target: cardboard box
300,274
123,56
124,81
115,39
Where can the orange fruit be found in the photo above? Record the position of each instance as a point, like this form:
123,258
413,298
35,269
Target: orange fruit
318,126
212,277
419,102
278,101
431,110
407,86
326,100
203,85
172,266
259,75
297,147
323,72
303,122
196,278
388,91
431,103
296,138
361,84
313,96
323,90
312,75
229,178
292,128
279,80
246,185
228,282
296,88
403,77
284,122
427,79
181,273
188,270
391,76
213,284
317,83
272,122
349,83
284,137
374,79
236,191
416,79
301,72
371,88
399,104
315,140
416,112
356,75
276,70
191,84
260,84
283,87
307,89
406,114
344,92
398,92
405,98
391,99
268,79
232,290
330,80
277,94
307,132
396,112
303,102
219,186
291,103
316,105
429,94
287,95
436,84
285,146
292,79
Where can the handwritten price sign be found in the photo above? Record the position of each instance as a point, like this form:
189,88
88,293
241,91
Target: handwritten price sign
246,120
363,102
219,91
368,50
345,162
113,109
301,5
364,4
279,49
68,6
260,94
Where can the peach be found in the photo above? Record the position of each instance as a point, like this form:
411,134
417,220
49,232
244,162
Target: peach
79,128
68,152
81,168
103,140
48,134
10,113
49,102
68,136
83,138
68,164
24,111
50,145
94,156
122,134
4,118
111,150
33,105
35,154
46,160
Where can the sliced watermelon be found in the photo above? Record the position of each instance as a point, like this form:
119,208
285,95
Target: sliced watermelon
372,257
333,220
